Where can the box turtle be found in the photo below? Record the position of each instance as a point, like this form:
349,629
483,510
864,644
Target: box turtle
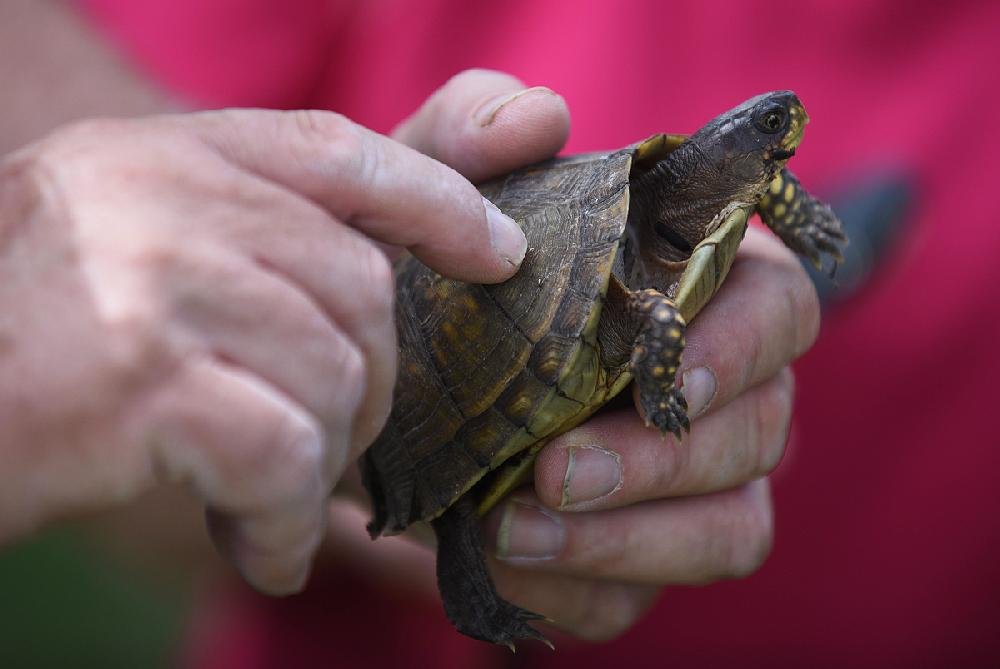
624,249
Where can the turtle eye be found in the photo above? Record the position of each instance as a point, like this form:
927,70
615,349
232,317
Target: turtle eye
771,120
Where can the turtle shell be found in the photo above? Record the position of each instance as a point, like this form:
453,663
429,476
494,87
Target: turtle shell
488,372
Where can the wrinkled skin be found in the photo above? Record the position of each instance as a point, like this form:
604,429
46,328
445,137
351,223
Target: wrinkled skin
689,513
206,299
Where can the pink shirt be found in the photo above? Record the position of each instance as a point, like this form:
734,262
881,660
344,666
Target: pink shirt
888,531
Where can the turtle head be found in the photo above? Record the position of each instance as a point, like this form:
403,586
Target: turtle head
753,141
730,161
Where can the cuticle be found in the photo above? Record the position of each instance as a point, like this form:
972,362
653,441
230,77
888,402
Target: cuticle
565,503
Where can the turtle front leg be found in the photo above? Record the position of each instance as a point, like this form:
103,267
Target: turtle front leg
656,357
806,225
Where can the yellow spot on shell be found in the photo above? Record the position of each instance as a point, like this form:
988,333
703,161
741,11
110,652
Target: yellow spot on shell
658,371
776,186
520,406
674,333
549,365
789,192
470,303
780,210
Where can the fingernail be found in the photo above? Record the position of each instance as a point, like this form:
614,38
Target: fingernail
592,472
506,236
699,389
487,112
529,533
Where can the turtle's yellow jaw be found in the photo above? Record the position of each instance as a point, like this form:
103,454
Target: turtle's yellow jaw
796,126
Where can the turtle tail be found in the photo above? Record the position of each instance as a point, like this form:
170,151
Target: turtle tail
470,599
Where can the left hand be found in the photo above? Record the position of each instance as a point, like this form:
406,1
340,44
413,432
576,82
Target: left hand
640,512
619,512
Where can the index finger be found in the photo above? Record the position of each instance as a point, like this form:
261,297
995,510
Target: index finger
388,191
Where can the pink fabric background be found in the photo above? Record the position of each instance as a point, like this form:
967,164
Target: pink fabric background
888,536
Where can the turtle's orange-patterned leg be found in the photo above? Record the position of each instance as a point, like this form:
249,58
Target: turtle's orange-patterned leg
806,225
470,599
656,357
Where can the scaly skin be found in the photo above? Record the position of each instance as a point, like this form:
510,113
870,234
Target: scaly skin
656,357
806,225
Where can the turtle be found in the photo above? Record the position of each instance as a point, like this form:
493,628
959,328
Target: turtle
624,248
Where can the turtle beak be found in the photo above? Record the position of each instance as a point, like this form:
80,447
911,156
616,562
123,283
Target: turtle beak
797,119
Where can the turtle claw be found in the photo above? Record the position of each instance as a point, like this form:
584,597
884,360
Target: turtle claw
507,625
667,412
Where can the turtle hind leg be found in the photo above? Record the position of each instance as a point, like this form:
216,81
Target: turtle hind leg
806,225
388,475
373,484
655,358
470,599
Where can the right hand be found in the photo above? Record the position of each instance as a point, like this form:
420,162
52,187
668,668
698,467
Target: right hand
207,299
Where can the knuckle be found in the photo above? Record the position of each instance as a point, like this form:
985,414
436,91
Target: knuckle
803,305
135,343
352,378
154,260
671,467
352,366
379,282
612,610
87,150
322,126
85,132
331,140
293,459
473,76
773,418
25,185
749,536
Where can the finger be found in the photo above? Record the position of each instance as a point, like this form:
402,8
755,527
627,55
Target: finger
381,187
680,541
485,123
328,337
588,609
257,459
765,315
400,562
614,460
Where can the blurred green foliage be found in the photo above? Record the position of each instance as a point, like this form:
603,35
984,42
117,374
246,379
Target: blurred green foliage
65,604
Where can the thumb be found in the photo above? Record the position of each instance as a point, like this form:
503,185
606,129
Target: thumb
484,123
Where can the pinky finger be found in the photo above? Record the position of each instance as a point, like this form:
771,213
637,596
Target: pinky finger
258,460
590,609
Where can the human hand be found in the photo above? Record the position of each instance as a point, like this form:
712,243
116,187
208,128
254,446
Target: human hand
593,552
206,299
618,512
